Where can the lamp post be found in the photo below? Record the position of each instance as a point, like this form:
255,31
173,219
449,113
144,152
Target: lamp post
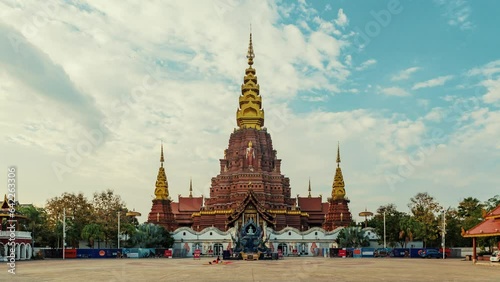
118,230
384,233
444,234
64,233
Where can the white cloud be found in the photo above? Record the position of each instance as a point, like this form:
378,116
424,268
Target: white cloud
160,72
489,75
366,64
404,74
394,91
348,60
341,20
457,13
423,103
438,81
435,115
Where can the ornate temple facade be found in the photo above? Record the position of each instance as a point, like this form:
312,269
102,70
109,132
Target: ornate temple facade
250,185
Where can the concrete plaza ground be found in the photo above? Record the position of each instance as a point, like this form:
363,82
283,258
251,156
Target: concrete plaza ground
288,269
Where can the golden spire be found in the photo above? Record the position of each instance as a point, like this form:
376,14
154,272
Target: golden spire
161,191
250,54
162,159
338,154
309,187
250,113
190,187
338,187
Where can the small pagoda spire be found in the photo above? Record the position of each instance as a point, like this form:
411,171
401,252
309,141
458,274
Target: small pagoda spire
309,187
190,187
161,191
338,187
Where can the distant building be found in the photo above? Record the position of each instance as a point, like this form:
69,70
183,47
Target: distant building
10,233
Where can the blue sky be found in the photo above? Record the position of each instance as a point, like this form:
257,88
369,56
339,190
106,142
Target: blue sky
411,89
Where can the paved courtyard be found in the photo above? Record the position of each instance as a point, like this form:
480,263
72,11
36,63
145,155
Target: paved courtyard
289,269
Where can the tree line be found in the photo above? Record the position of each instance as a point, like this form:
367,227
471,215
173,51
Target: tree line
94,221
424,222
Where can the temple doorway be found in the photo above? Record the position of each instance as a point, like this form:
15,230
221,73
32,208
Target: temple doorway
218,249
284,248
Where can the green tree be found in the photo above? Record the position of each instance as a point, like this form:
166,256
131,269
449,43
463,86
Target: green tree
353,237
92,232
106,205
393,218
79,213
454,224
492,203
149,235
425,209
407,228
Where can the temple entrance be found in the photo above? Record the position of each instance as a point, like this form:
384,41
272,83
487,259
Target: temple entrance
284,248
218,249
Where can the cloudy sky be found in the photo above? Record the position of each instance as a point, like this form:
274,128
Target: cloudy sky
410,89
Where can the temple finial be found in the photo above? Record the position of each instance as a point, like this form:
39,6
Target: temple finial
250,54
190,187
309,187
338,154
162,159
250,113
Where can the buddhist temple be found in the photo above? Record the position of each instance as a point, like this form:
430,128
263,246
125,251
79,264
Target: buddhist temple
250,186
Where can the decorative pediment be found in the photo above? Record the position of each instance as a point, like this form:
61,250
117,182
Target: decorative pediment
250,203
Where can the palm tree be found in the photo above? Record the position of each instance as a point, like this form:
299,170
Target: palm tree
92,232
353,237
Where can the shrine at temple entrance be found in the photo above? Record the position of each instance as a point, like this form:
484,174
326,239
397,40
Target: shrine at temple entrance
250,211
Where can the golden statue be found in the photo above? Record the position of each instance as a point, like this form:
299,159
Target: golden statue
250,154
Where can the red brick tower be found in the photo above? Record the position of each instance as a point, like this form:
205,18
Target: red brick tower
338,211
161,211
250,183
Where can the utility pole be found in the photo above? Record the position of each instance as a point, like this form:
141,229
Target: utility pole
118,230
385,243
444,234
64,232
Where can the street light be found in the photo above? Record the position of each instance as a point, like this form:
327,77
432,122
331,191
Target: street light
118,230
64,232
384,233
444,234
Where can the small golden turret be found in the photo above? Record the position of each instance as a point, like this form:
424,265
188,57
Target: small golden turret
161,191
338,187
250,113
